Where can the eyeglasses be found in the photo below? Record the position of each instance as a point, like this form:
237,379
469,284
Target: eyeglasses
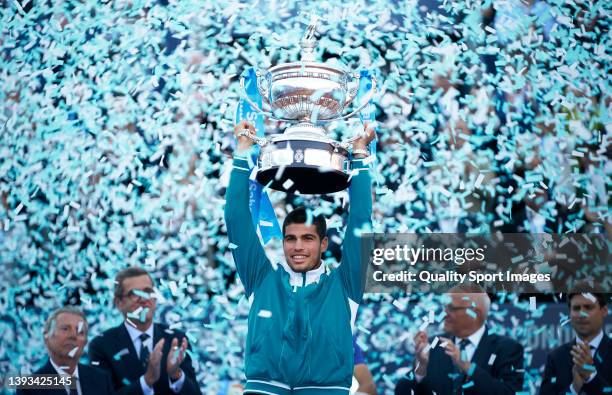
136,294
453,309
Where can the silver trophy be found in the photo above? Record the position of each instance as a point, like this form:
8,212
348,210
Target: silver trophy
309,95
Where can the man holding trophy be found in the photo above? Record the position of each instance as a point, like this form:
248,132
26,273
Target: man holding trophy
302,313
299,338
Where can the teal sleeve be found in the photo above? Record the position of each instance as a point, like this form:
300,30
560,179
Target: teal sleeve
353,265
249,256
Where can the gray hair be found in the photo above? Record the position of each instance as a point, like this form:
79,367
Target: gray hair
478,292
52,320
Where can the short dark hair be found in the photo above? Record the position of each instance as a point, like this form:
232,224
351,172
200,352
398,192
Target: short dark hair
301,215
586,287
133,271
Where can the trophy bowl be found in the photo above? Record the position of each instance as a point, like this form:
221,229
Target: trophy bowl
306,94
306,91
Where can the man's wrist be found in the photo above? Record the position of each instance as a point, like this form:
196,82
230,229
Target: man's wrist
360,153
465,366
243,149
177,375
147,388
575,388
420,370
591,376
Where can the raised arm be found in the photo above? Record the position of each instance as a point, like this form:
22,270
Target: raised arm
359,219
249,256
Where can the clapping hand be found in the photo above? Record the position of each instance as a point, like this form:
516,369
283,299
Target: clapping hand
581,356
451,349
421,349
175,358
153,366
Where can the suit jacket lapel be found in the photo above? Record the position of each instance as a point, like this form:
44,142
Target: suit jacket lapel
47,369
131,361
85,380
158,334
483,351
602,351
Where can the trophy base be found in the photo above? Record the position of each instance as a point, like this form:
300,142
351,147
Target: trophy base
306,166
305,180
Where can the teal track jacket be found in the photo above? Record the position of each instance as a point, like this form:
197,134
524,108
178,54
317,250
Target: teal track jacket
299,337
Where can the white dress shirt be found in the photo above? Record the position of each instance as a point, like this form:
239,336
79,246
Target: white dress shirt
474,339
135,336
75,376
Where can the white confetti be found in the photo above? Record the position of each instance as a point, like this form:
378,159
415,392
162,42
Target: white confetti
73,352
288,184
264,314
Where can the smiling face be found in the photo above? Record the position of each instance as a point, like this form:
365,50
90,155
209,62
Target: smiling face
137,293
587,316
68,332
303,247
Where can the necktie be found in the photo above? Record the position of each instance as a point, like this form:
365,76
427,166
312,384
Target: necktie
144,350
463,344
73,391
460,376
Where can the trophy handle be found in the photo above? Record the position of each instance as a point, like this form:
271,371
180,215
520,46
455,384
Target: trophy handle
245,95
261,141
264,89
353,95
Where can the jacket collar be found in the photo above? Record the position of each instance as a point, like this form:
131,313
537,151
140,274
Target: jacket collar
127,353
135,333
595,342
304,279
475,337
483,350
60,369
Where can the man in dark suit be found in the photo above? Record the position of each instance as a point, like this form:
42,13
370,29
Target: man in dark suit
468,359
65,333
142,357
582,366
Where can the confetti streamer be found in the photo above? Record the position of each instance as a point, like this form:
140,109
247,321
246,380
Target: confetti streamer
116,133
